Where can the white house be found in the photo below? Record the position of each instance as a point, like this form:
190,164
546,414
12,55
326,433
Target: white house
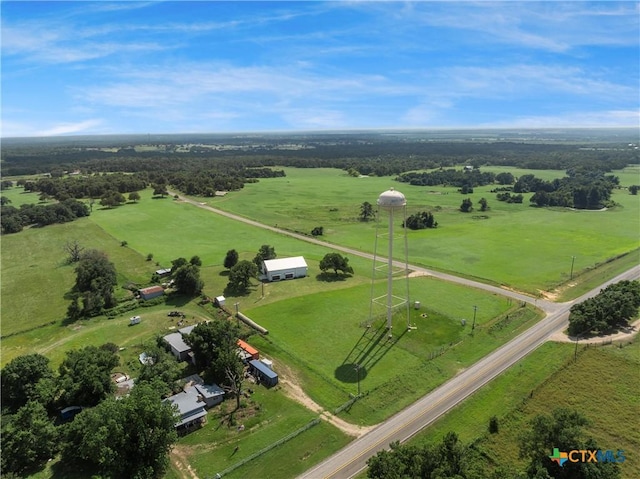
284,268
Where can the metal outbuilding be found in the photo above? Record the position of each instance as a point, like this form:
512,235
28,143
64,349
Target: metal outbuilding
284,268
266,376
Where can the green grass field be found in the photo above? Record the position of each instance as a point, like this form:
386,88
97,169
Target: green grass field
602,385
324,335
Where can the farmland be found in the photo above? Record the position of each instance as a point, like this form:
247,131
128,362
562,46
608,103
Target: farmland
318,325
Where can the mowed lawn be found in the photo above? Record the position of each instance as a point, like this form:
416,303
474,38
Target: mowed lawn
520,246
323,336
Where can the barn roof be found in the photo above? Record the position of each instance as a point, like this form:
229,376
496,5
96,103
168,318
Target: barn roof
284,263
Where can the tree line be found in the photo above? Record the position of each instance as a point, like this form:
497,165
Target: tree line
366,154
563,429
14,220
613,307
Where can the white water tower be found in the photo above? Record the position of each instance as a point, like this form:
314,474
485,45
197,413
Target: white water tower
396,296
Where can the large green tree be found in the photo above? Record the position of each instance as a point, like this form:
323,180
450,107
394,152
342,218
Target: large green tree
265,252
130,437
187,279
29,439
231,259
241,274
562,429
447,459
366,211
336,262
20,378
85,375
207,340
95,281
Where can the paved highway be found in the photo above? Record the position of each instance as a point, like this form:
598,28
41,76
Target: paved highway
352,459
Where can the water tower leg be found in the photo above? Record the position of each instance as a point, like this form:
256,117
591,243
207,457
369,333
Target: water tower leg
390,272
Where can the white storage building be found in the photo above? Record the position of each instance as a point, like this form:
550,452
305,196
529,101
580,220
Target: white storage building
284,268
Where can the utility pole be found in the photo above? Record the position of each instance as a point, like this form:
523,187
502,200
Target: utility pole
573,258
473,326
357,367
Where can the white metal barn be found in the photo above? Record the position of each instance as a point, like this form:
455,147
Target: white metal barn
284,268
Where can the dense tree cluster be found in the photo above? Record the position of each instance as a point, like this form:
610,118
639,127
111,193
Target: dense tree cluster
420,221
129,437
95,282
581,189
449,458
449,177
509,198
364,153
562,429
614,306
94,186
13,219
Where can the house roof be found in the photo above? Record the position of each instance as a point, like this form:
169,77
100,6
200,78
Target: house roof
284,263
151,289
186,329
176,342
189,406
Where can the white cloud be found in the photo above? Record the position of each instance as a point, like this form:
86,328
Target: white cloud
578,119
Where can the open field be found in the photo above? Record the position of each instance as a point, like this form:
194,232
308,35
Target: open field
324,336
520,246
544,380
317,331
36,277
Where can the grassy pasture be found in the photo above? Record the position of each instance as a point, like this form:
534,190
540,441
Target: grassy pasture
35,276
324,335
602,385
517,245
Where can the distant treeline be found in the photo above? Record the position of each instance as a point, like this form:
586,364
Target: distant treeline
366,155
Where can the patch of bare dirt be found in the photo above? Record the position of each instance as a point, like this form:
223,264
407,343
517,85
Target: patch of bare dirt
179,459
295,392
416,274
622,335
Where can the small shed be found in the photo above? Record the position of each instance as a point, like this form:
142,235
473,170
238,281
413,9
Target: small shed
252,353
265,375
220,300
163,272
151,292
284,268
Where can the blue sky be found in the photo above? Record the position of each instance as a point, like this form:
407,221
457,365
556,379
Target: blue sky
181,67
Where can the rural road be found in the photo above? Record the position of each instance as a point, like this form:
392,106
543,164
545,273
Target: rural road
352,459
546,306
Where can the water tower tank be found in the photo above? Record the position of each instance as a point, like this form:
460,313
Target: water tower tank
391,200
